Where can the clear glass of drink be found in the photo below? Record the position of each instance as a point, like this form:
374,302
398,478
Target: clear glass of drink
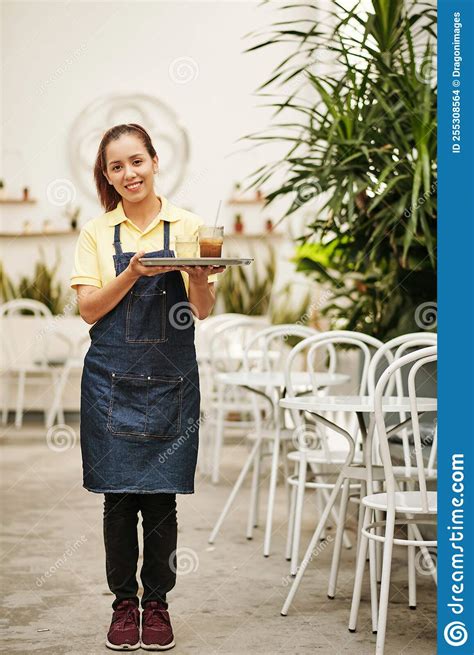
211,240
186,246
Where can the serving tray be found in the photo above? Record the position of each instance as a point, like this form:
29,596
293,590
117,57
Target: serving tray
195,261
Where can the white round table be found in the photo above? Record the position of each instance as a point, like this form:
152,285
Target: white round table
270,385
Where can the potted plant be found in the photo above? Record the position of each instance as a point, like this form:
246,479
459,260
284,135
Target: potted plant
361,157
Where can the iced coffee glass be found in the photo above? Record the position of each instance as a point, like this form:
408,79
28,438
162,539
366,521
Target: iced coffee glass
210,241
186,246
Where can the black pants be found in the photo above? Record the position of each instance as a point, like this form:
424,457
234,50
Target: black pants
158,573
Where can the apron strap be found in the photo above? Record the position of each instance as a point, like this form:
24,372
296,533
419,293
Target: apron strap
167,235
117,244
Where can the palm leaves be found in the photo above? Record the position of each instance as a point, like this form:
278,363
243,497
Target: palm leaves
363,137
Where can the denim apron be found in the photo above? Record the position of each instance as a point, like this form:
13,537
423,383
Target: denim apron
140,396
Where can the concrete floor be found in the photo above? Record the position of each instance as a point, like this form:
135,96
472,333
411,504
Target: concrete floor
228,597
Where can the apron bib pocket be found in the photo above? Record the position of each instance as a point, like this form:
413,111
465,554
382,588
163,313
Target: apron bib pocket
145,405
146,316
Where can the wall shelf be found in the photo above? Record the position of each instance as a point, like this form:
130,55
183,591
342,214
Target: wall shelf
244,235
244,201
17,201
53,233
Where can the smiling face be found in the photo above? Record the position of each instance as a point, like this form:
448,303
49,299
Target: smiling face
130,168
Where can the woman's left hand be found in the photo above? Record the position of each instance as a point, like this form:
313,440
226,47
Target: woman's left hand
199,274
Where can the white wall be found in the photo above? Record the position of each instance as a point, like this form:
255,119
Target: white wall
58,57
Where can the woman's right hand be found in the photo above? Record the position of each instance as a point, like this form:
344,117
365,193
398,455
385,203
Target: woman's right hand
135,269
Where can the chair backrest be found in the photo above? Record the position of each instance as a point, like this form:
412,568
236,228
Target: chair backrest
388,353
205,330
19,305
321,352
416,360
326,343
22,335
273,344
229,341
393,349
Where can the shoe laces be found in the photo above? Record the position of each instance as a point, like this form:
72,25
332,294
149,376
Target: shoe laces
125,615
153,612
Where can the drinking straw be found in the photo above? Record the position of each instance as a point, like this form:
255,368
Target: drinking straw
217,215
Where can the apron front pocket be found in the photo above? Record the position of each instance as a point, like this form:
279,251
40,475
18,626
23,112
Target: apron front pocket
146,315
145,405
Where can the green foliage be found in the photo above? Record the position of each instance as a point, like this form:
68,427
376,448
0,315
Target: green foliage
361,157
42,286
248,292
284,310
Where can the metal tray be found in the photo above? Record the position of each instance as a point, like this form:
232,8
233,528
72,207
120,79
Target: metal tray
198,261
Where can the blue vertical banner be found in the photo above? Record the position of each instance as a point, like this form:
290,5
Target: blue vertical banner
456,329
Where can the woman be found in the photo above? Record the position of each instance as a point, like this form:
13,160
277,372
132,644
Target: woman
140,384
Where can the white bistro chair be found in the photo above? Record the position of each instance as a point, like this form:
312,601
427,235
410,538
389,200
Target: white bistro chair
320,455
28,363
225,353
413,507
272,345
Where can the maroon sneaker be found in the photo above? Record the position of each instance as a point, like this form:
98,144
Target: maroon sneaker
124,631
157,633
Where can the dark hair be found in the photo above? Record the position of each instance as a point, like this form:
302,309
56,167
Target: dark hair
108,196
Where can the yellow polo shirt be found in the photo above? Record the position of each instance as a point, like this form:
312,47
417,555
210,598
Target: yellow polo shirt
93,261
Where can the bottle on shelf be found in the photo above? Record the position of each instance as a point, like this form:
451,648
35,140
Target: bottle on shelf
238,224
2,189
269,225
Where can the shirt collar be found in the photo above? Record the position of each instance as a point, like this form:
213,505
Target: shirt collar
117,215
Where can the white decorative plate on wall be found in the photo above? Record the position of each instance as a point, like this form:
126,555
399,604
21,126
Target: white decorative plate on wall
161,122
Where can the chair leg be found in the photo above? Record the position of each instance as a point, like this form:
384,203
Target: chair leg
359,576
6,398
385,584
291,521
56,409
272,492
411,571
20,398
203,447
234,491
336,556
258,494
252,516
335,517
374,602
219,435
286,473
302,470
363,492
320,509
312,544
